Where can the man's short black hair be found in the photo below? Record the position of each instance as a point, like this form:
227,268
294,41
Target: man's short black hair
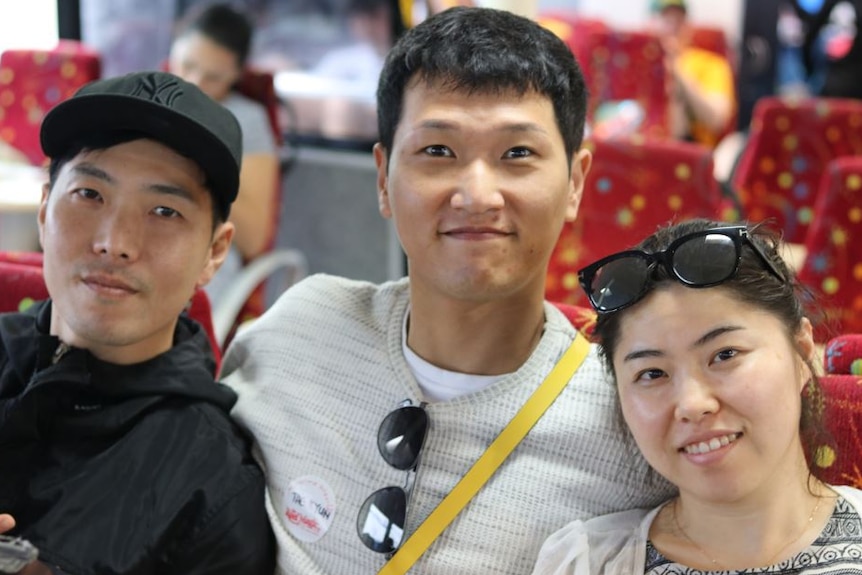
481,50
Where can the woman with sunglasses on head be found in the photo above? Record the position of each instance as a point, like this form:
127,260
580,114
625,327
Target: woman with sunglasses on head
703,329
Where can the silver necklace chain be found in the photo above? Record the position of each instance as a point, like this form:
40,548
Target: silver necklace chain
715,562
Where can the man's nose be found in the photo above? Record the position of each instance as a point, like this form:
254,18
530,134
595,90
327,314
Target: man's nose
118,235
478,189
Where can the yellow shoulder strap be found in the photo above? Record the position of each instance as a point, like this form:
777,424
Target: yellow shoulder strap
491,459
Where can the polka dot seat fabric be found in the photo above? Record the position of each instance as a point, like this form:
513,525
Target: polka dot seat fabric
584,37
838,455
789,145
634,186
630,65
618,65
832,268
34,81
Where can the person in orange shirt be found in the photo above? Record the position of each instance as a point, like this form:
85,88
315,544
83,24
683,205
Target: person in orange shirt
703,98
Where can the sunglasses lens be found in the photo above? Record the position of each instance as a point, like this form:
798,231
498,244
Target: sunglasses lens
401,436
706,259
381,519
618,283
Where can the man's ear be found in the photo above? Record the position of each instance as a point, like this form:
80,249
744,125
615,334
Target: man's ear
43,212
217,253
382,162
581,162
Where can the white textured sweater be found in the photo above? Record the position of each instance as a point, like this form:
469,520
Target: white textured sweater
321,369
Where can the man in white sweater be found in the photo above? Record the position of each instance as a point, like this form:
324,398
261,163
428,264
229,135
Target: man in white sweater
481,117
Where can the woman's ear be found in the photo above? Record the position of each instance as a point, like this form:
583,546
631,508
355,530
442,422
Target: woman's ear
807,349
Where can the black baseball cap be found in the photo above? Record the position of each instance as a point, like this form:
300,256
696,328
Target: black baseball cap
164,107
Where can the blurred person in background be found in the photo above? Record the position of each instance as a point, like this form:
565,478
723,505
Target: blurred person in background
210,51
703,98
356,66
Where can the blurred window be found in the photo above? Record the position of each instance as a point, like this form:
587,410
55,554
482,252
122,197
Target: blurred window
325,54
30,24
305,43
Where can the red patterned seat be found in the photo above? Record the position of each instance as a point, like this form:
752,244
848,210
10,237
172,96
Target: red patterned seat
634,186
21,284
789,145
839,457
34,81
582,35
617,65
631,66
833,264
839,454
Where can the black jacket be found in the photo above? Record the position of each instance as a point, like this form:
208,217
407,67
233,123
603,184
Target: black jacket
136,469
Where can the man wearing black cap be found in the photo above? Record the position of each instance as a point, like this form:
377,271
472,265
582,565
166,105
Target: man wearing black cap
118,454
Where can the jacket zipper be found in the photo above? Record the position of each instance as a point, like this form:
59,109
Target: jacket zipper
61,350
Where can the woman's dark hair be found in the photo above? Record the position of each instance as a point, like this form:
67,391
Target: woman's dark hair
752,284
224,25
480,50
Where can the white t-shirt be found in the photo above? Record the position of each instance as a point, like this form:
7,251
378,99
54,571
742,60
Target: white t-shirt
440,384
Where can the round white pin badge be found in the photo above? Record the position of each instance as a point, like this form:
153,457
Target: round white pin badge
309,508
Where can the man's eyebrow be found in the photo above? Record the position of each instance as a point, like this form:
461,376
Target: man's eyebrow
509,127
524,127
437,125
166,189
93,171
